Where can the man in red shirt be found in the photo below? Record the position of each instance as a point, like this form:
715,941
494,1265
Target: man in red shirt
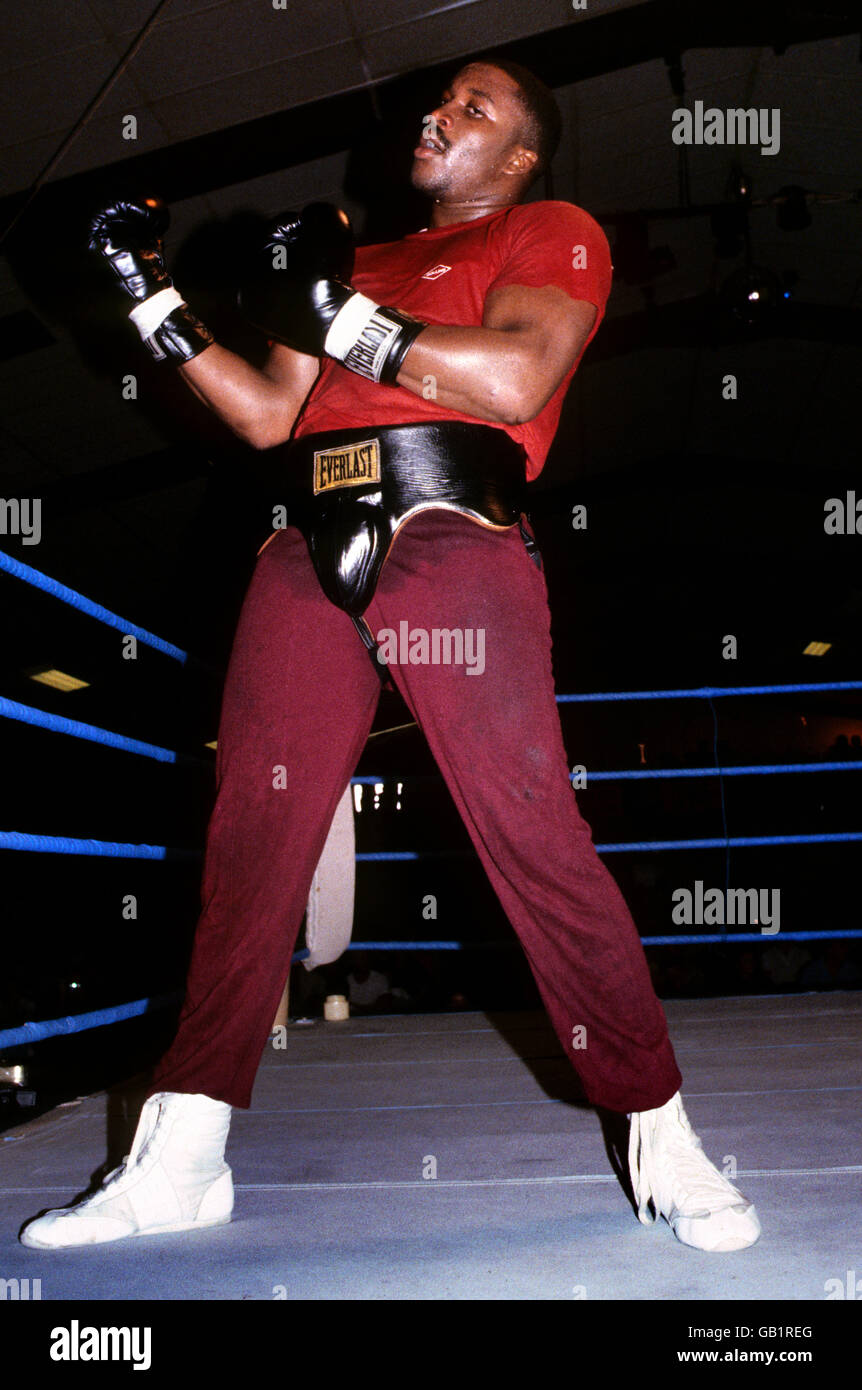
418,393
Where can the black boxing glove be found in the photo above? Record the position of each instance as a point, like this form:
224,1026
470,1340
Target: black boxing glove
298,291
128,236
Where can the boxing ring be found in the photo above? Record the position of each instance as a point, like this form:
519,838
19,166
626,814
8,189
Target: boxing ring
451,1156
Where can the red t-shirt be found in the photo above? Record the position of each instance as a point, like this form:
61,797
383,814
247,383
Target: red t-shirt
442,276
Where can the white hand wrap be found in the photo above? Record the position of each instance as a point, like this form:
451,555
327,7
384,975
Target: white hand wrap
361,336
151,313
348,325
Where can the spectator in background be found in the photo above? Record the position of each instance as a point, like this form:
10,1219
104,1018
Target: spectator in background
783,962
839,750
367,989
834,969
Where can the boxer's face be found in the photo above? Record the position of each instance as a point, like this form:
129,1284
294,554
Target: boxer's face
472,149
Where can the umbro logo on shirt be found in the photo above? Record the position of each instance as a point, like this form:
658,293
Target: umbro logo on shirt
436,271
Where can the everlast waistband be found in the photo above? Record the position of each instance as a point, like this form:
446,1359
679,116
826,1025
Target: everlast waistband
350,491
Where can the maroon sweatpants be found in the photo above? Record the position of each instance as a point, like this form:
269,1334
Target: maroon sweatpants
301,694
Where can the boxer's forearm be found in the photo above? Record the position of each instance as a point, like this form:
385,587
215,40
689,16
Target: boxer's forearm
489,373
261,409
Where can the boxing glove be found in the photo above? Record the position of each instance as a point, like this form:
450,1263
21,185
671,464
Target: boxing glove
298,291
128,236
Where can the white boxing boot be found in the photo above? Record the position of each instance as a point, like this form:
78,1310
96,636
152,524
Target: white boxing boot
668,1166
174,1179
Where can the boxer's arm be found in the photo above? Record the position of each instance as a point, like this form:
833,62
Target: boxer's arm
507,370
260,405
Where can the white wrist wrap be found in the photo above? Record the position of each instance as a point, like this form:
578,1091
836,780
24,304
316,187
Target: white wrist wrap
348,324
361,336
152,312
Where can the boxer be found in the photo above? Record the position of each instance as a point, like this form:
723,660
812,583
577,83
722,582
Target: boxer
411,392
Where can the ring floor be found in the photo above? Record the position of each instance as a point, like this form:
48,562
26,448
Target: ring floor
335,1163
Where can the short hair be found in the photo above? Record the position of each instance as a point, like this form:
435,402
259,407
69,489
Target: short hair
543,123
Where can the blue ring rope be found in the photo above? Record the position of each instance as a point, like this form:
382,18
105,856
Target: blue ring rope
86,605
58,724
842,934
80,1023
61,844
107,849
737,770
735,841
846,934
706,692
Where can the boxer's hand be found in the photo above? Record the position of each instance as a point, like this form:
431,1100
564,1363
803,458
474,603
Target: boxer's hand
299,293
128,236
300,278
